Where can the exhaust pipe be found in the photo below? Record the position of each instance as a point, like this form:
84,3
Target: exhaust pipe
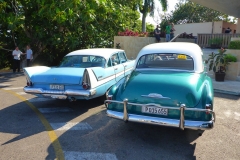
72,99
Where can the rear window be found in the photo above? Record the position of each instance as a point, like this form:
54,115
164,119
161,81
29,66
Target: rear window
83,61
166,61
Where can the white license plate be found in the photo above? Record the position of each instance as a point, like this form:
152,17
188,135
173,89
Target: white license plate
155,110
56,87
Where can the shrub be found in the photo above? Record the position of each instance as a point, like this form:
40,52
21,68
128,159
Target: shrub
230,58
234,44
215,41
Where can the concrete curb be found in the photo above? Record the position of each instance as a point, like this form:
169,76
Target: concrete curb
227,92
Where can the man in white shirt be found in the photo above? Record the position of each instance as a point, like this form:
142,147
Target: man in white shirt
29,55
16,59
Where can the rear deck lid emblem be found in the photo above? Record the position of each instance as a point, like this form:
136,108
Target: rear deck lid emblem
155,95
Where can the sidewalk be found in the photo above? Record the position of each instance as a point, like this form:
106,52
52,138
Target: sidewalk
227,87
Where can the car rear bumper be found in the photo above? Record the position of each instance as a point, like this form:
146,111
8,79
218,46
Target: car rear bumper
59,94
195,125
180,123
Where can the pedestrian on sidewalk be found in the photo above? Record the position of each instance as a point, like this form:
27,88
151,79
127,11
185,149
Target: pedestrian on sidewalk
168,29
29,55
16,59
157,33
172,31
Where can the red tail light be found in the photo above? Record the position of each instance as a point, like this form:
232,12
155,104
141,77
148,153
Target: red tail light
208,106
85,85
29,84
109,97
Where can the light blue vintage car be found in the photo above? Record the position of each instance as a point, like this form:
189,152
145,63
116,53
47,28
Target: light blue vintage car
82,74
167,87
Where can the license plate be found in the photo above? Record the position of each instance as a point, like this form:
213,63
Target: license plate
155,110
56,87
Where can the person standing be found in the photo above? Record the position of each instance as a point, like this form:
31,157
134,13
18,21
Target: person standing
157,33
228,30
172,31
16,59
168,30
29,55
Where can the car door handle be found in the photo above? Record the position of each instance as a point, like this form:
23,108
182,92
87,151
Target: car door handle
115,68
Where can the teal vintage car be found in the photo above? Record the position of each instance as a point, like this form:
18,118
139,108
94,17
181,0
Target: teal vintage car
168,86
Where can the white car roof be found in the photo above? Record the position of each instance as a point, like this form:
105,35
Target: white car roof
190,49
103,52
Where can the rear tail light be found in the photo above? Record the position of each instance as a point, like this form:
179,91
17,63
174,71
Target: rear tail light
85,85
29,83
208,106
109,97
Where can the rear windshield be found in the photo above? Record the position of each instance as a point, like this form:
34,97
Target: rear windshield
166,61
83,61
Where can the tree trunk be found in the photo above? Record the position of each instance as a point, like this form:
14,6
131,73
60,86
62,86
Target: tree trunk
144,22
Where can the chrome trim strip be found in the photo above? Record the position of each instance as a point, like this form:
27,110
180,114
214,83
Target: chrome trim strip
195,125
55,96
181,123
68,92
155,95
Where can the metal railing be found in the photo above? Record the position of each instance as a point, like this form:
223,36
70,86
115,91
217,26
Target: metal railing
203,39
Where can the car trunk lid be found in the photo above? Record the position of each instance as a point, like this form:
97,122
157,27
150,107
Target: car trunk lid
165,88
59,76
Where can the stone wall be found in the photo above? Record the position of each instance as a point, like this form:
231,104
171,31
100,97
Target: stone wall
132,45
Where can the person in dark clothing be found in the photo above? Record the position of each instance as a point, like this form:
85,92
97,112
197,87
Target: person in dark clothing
157,33
228,30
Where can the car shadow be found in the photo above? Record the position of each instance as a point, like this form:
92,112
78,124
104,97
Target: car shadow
6,77
130,140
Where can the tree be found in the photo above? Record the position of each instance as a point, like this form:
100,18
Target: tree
190,12
148,6
54,28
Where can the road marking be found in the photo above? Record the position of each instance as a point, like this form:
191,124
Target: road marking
13,88
89,155
21,93
52,135
55,110
71,126
37,99
3,85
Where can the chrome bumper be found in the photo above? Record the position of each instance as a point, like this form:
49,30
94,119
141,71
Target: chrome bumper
59,94
181,123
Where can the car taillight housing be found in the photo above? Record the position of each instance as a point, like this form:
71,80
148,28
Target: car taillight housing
109,97
85,85
208,106
29,83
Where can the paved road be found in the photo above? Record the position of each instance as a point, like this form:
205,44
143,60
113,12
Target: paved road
35,128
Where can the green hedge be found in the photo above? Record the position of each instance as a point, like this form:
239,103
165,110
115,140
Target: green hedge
230,58
234,44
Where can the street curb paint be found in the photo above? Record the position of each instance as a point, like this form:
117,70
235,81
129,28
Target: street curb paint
52,135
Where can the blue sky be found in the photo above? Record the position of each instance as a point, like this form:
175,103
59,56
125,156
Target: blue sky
171,5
